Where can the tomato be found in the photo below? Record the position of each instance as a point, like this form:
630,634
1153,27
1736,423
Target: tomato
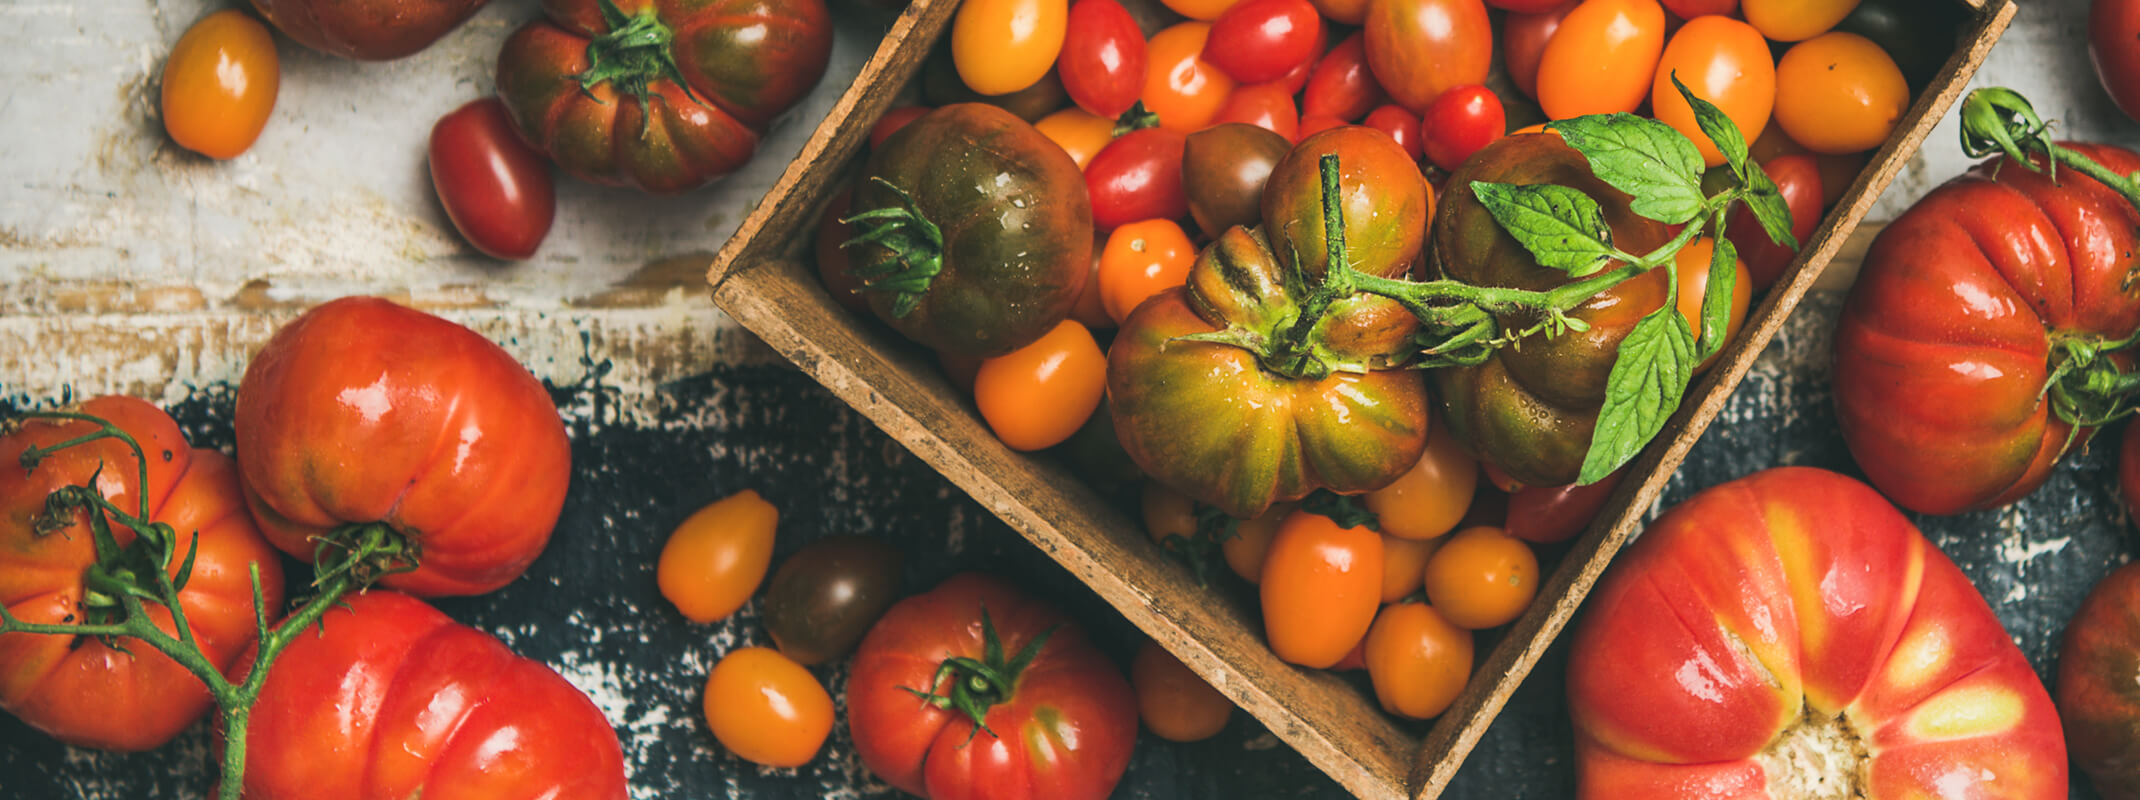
1385,201
1791,630
1296,79
1250,546
2097,697
942,86
1143,259
833,268
1398,124
1690,266
495,188
1091,308
1690,9
1523,43
1547,514
1062,729
1138,176
1524,6
1967,297
1223,171
1482,578
219,85
1206,10
1002,46
1080,134
1179,85
1344,12
653,127
1310,126
1723,61
824,597
1321,586
1038,395
1404,565
1265,105
1103,59
1602,58
1431,497
1460,122
1839,93
1015,231
371,31
1417,661
364,412
1799,180
714,561
81,689
1796,20
392,699
893,119
1174,702
767,709
1421,48
1342,87
1262,40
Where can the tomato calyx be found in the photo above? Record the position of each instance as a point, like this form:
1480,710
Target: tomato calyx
632,54
975,685
916,245
1137,118
1202,551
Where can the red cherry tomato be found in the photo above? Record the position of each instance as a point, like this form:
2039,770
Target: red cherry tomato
2114,47
1137,176
892,121
1800,180
1399,124
1265,105
495,188
1310,126
1342,87
1689,9
1523,41
1179,85
1460,122
1262,40
1601,59
1103,59
1297,78
1421,48
1557,513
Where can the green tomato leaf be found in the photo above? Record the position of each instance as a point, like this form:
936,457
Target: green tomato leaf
1651,373
1766,201
1716,297
1645,158
1721,131
1563,228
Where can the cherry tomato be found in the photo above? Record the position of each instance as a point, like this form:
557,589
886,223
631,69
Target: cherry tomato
1602,58
1310,126
766,708
1523,42
1796,20
1250,544
1344,12
1342,87
1265,105
714,561
1482,578
1557,513
1091,310
1399,125
1296,78
1724,61
1103,60
495,188
1799,179
1261,40
1460,122
1143,259
1002,46
832,263
1431,498
1183,89
892,121
1174,702
1404,565
1137,177
219,84
1080,133
1421,48
1037,395
1320,588
1206,10
824,598
1691,267
1417,660
1839,93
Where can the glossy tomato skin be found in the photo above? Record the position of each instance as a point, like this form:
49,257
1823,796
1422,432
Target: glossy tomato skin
1421,48
1459,123
2097,697
1546,514
1180,86
79,689
1796,20
1523,43
1265,105
1960,299
1003,46
767,709
1320,588
495,188
1725,62
392,699
1385,201
1065,733
1078,132
1039,395
219,85
1601,59
824,598
1800,598
367,30
1530,411
744,62
1103,60
1223,172
714,560
365,411
1839,93
1398,124
1138,176
1798,178
1004,283
1261,40
1342,86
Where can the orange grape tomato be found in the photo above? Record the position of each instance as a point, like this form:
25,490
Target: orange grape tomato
1003,46
1723,61
219,84
1081,133
1143,259
1404,565
767,709
1691,267
1167,513
1184,90
1250,544
1482,578
1795,20
1206,10
1839,93
1602,58
1036,396
1175,703
1430,498
715,560
1090,310
1320,588
1417,661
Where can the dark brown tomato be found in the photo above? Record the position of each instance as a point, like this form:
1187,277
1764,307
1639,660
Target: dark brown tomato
1386,202
825,597
1223,170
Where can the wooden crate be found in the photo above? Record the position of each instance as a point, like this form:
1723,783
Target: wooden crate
764,278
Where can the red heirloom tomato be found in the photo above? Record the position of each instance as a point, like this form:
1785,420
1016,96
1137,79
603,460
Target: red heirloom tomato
367,30
1460,122
1789,634
1138,176
2114,46
1798,179
1342,87
1421,48
1601,59
1523,43
1059,726
666,96
219,85
495,188
364,412
1976,296
1103,60
1262,40
80,689
2097,696
392,699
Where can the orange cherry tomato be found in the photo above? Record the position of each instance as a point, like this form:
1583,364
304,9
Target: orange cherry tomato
715,560
1795,20
1417,661
1090,310
1429,499
1250,544
1482,578
1002,46
1143,259
1206,10
1081,133
1691,266
1602,58
1724,61
1174,702
1183,89
1404,565
1839,93
219,84
767,709
1321,585
1036,396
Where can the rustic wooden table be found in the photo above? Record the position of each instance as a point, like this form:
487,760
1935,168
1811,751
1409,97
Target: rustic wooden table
126,265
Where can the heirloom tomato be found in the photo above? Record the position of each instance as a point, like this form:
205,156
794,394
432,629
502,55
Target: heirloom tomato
1321,586
363,413
1460,122
372,30
1979,295
1003,46
1601,59
1138,176
2097,697
219,85
1180,86
1798,179
1795,20
1029,707
1173,700
1421,48
713,562
1725,62
832,264
495,188
1839,93
1523,43
823,599
767,709
1385,201
1417,661
83,690
2114,47
1223,170
1103,60
1261,40
1036,396
1342,87
661,95
1789,634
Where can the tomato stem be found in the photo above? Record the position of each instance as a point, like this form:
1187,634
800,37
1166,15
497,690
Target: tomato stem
634,53
914,247
979,684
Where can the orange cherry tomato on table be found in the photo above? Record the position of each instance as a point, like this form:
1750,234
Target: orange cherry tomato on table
1796,20
1421,48
1799,180
1482,578
715,560
1137,177
496,189
1431,498
1103,61
1143,259
1257,41
1459,123
1080,132
1691,268
1002,46
1839,93
1523,42
1174,702
1723,61
767,709
1038,395
1265,105
1321,586
892,121
1417,661
1179,85
1602,58
1399,125
1250,545
1404,565
219,84
1206,10
1342,87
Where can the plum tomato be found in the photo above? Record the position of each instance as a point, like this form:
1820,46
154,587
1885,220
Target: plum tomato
1796,20
1690,266
1265,105
1179,85
1404,565
1342,87
1103,60
1839,93
1459,123
1080,132
1142,259
495,188
892,121
1320,587
1723,61
1138,176
1482,578
1002,46
1175,703
714,561
1223,170
1421,48
1417,661
1523,42
767,709
219,84
1431,498
1602,58
1038,395
822,599
1798,177
1250,545
1257,41
1399,125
